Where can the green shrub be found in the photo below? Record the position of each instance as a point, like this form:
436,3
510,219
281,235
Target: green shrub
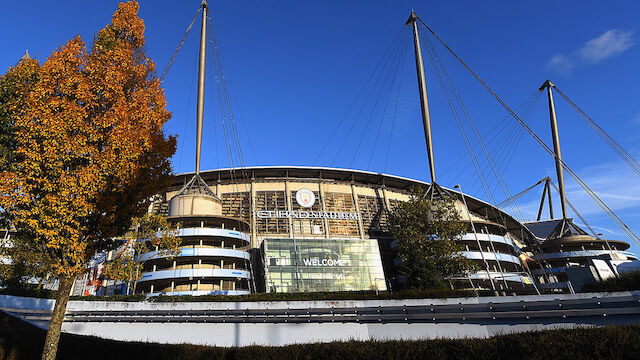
30,292
127,298
624,282
304,296
319,296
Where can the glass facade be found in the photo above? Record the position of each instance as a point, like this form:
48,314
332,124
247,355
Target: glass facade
322,265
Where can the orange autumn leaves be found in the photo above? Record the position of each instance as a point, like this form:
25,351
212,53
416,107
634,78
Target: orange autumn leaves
90,150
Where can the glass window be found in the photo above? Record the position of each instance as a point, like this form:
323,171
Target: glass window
324,265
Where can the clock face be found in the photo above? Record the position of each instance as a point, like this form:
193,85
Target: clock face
305,197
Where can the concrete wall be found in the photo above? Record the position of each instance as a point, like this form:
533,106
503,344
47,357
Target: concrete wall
284,322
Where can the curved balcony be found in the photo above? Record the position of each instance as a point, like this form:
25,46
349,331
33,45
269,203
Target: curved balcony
488,237
195,273
549,271
472,237
213,232
476,255
497,276
200,252
582,253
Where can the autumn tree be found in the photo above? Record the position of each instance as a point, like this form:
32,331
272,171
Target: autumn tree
89,151
427,230
151,232
15,85
20,263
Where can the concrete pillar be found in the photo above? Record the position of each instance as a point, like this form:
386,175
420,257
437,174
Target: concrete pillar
357,207
324,208
252,200
287,200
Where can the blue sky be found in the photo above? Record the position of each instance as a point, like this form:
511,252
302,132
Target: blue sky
296,67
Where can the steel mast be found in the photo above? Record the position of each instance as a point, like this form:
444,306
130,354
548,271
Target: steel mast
422,87
556,145
201,80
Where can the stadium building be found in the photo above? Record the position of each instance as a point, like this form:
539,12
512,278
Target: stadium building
291,229
313,229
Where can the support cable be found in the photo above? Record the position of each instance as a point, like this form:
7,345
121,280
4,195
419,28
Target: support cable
535,136
401,61
229,122
474,130
521,193
393,74
445,90
360,93
390,73
384,71
175,53
593,232
395,113
512,136
630,160
186,118
495,132
483,147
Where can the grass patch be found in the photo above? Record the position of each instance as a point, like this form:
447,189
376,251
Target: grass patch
19,340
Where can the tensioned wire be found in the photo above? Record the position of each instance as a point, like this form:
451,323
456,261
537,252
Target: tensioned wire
360,93
506,154
398,69
223,113
395,113
475,132
213,117
228,118
242,118
495,132
384,73
391,73
165,72
526,109
186,118
449,89
623,226
630,160
393,69
448,98
177,50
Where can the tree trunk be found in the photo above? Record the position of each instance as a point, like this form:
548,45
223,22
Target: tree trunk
135,282
55,325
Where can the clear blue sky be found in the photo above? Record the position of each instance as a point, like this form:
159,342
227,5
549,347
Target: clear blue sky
296,66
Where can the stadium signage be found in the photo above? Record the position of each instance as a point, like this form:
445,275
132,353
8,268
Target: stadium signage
305,198
324,262
301,214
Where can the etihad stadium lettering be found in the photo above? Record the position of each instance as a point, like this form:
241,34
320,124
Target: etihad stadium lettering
300,214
